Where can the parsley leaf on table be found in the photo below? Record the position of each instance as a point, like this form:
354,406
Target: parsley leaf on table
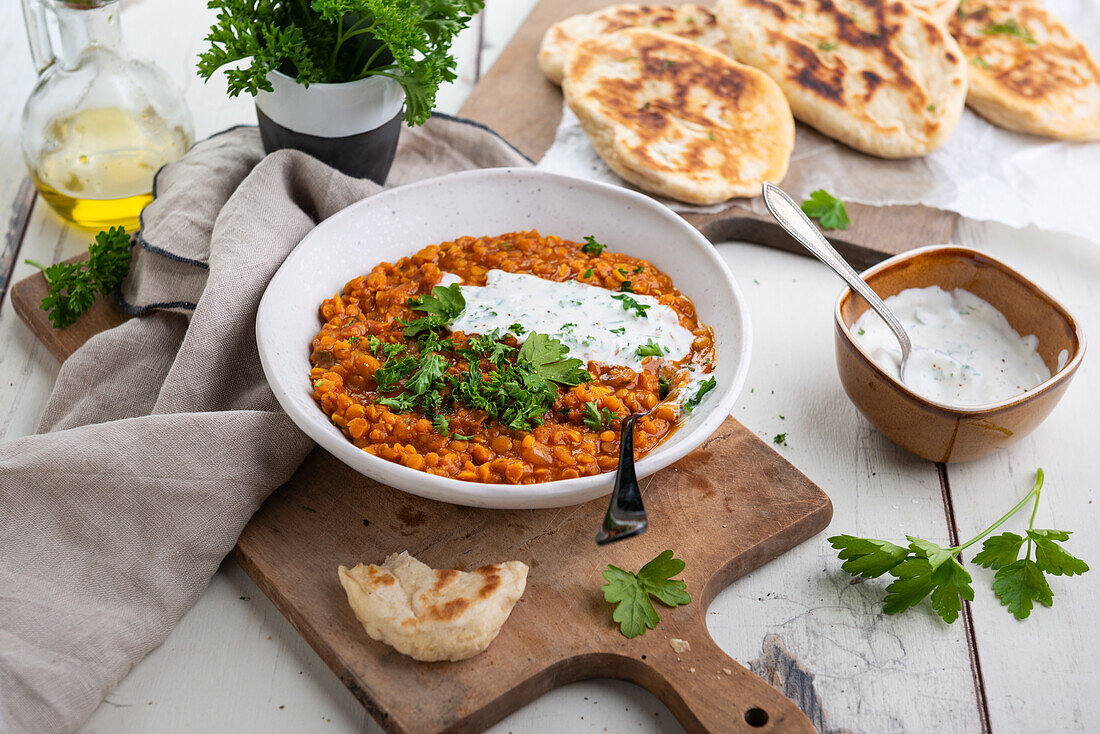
1019,582
828,210
73,286
924,569
631,592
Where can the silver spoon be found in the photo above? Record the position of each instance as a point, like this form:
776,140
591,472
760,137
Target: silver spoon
625,516
791,218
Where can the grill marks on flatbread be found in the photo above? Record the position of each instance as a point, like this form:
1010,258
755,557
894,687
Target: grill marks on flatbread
693,22
876,74
1028,71
433,615
678,119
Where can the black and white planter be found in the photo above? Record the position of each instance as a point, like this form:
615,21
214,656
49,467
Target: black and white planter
352,126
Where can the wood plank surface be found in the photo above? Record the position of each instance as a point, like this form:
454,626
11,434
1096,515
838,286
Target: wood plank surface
234,663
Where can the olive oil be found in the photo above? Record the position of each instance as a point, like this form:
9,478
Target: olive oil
97,165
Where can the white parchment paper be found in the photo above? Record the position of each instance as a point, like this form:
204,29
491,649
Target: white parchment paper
983,172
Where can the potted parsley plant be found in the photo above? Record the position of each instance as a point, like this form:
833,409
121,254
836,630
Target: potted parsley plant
335,78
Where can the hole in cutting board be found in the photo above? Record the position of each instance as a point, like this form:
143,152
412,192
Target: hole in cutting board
756,717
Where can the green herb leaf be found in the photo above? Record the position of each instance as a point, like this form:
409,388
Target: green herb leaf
549,358
631,592
828,210
663,387
1052,558
443,306
999,550
693,402
1018,585
867,557
596,419
631,304
588,273
591,246
1010,28
650,349
827,46
73,286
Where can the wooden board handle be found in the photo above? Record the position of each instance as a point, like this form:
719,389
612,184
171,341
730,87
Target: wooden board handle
708,691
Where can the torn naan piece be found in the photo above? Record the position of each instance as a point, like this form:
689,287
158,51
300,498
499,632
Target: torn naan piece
433,614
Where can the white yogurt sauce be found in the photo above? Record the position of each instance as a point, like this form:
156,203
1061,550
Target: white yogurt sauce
592,324
964,350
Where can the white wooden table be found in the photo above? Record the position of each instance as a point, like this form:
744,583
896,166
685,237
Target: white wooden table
235,664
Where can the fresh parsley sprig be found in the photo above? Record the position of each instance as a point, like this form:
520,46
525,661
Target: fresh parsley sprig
923,569
73,286
335,41
828,210
631,592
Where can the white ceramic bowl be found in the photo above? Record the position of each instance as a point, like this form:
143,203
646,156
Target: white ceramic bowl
401,221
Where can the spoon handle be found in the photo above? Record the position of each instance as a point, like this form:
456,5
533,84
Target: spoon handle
626,515
791,217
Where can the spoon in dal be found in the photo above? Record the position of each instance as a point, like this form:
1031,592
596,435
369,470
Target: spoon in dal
625,516
791,218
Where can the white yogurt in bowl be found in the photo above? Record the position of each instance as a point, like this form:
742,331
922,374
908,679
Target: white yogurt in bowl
964,350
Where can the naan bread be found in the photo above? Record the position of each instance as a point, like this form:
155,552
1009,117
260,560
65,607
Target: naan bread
1027,70
678,119
875,74
429,614
694,22
941,10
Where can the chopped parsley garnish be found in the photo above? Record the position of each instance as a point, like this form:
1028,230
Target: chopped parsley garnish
980,63
662,387
828,210
704,387
1010,28
780,439
620,330
517,329
827,46
631,592
596,419
626,287
650,349
667,64
931,108
592,247
443,306
630,304
639,269
353,340
588,273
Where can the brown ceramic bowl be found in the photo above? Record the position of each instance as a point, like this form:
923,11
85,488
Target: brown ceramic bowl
940,432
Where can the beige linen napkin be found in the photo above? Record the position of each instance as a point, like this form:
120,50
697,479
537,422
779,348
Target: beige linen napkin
162,437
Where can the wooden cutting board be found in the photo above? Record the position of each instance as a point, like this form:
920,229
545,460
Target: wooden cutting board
727,508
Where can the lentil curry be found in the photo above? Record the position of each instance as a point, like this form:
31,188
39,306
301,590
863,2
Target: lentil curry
509,404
